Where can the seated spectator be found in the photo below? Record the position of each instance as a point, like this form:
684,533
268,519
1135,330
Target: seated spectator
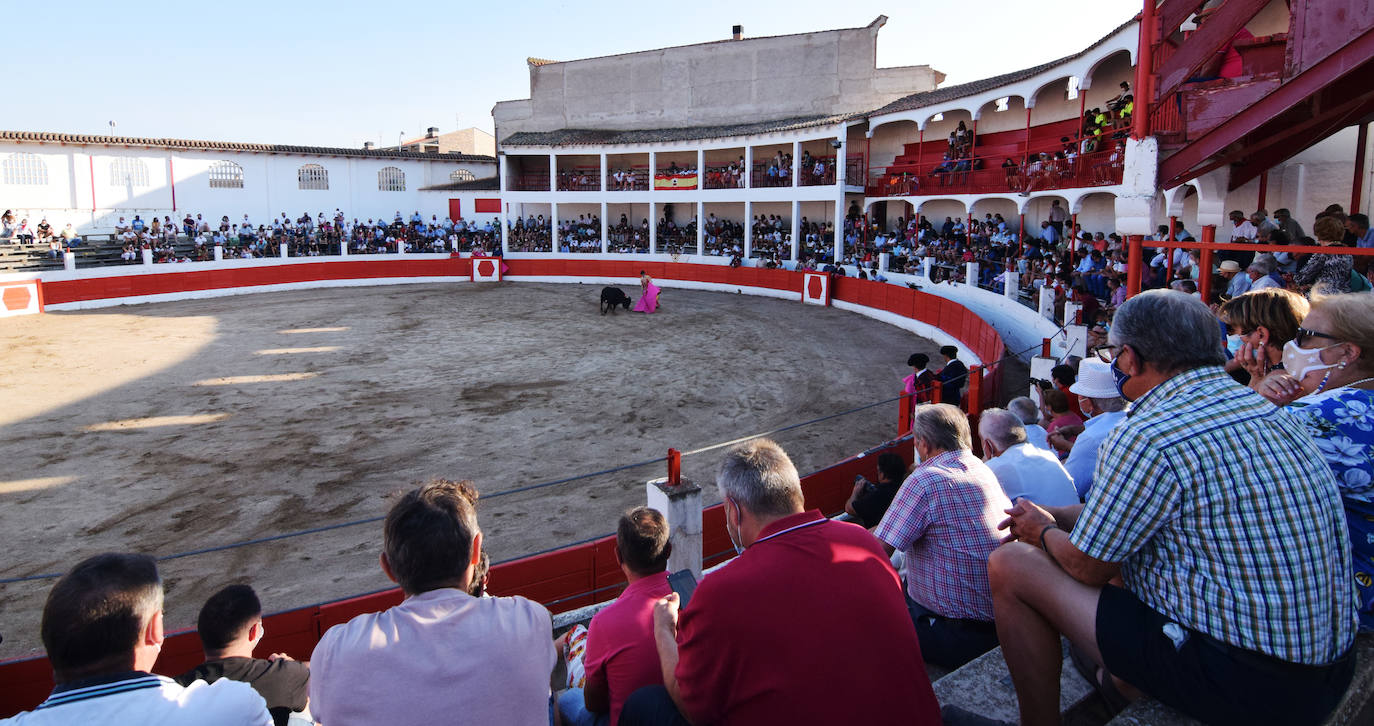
1263,273
1102,405
230,627
760,644
1022,470
441,651
1064,425
944,519
869,500
621,657
1262,322
952,376
103,630
1029,413
1202,627
1330,272
1327,382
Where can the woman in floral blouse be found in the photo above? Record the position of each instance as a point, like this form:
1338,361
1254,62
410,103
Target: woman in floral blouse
1328,384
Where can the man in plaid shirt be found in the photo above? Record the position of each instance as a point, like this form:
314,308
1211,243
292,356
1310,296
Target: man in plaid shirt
944,518
1227,532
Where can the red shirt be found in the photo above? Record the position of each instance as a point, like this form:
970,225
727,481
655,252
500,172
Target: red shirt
621,655
807,626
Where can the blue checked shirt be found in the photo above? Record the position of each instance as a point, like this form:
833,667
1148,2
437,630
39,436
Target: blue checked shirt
1225,519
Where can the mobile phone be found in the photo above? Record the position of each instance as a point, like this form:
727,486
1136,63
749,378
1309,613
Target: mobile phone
684,583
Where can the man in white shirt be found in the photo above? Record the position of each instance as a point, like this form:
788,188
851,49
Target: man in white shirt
1024,471
1241,229
1102,406
103,630
441,653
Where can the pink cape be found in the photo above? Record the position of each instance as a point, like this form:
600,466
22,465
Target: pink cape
648,302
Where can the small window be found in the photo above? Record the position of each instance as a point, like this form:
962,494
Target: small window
937,117
131,172
1003,103
226,175
25,169
391,179
313,177
462,175
1073,88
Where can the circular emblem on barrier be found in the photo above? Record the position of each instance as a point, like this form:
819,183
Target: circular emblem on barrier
814,288
17,298
486,268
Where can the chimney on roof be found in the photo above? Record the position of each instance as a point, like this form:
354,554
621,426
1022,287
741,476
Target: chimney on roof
368,146
737,31
431,132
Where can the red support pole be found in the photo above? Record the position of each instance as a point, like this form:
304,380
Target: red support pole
904,414
1263,189
1044,347
1134,261
92,160
1073,239
975,390
1021,236
920,149
172,179
674,467
1357,188
972,151
1204,277
1144,70
1025,152
1169,252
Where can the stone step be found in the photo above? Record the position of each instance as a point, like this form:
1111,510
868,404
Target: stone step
983,686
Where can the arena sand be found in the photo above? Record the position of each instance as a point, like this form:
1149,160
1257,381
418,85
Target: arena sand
176,426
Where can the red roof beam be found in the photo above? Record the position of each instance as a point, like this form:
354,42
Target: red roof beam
1202,46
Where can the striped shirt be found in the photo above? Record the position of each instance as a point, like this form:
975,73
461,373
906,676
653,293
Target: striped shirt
945,519
1224,519
148,700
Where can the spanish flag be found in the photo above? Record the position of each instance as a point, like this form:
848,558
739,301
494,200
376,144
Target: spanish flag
675,181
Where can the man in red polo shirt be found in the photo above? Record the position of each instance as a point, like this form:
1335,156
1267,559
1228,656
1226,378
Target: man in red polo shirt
807,625
621,656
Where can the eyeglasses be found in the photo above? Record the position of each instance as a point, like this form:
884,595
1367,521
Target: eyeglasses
1106,353
1304,334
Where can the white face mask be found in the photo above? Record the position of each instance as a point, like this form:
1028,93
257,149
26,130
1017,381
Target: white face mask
1301,361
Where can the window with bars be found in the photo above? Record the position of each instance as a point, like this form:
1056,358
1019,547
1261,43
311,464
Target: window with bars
462,175
226,175
21,168
124,170
391,179
313,176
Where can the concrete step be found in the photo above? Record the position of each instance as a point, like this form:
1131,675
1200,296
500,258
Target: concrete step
983,686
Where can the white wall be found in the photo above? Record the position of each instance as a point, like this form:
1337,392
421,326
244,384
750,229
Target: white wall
94,203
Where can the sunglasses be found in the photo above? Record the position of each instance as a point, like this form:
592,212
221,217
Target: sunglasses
1304,334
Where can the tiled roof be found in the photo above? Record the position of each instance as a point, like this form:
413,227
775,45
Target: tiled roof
940,95
599,137
49,137
485,184
540,61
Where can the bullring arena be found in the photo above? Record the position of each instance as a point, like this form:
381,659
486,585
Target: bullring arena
181,425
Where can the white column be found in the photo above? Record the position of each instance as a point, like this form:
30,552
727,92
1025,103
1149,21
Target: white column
748,228
505,215
604,241
287,253
653,167
681,506
653,222
701,222
884,258
748,166
796,161
553,172
219,253
926,264
148,256
69,261
1047,303
839,225
553,226
701,169
1012,289
796,225
343,244
971,274
839,160
602,184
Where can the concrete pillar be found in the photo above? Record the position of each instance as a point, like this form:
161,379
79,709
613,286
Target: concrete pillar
653,219
604,241
602,184
839,224
504,222
69,261
796,224
147,256
553,172
748,167
653,167
1076,338
1070,309
883,259
926,264
219,253
1013,287
701,223
1047,303
681,506
796,161
839,161
343,245
971,274
553,226
748,229
701,169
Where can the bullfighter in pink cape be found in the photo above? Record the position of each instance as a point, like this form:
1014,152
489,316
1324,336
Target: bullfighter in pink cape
648,302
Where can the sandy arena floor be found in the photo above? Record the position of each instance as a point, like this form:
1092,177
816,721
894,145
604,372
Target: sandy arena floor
170,427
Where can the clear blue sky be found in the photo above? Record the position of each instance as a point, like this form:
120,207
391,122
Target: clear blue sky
341,73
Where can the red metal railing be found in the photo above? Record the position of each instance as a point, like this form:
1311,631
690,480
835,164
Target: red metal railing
632,179
1100,168
529,182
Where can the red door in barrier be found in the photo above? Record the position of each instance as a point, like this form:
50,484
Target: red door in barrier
455,209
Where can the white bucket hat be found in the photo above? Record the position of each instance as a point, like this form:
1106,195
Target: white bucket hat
1095,380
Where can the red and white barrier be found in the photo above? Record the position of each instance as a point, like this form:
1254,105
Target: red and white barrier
486,269
21,298
816,289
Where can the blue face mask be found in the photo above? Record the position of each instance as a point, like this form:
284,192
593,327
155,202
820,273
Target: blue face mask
1233,344
1119,378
